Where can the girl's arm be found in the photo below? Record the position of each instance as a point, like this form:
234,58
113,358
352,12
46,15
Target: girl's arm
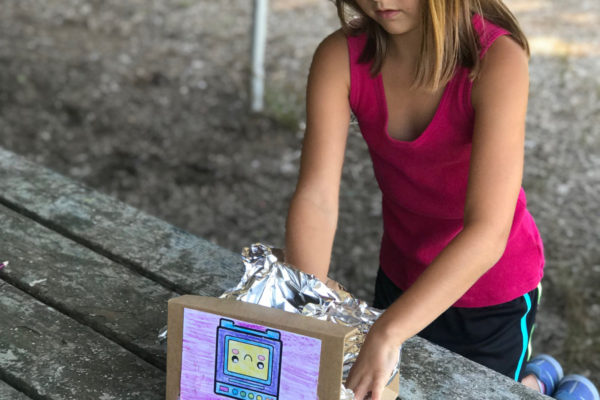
500,101
313,213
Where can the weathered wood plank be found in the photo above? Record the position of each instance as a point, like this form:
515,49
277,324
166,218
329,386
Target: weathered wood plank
177,259
7,392
51,356
428,371
96,291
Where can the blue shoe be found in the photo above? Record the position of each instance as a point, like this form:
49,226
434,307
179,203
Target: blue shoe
547,370
576,387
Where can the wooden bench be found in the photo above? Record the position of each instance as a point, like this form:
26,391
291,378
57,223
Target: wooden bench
86,291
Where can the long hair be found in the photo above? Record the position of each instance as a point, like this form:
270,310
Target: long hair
448,38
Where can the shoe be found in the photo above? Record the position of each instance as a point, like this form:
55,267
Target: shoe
576,387
547,370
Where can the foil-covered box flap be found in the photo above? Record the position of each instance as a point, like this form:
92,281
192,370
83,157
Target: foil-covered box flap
279,334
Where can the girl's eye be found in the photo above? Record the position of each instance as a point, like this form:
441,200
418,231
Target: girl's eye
235,359
260,365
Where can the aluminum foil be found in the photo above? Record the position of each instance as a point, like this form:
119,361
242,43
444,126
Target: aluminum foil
162,335
270,282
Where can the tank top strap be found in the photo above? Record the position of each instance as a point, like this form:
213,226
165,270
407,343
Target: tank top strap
488,33
461,84
356,44
364,99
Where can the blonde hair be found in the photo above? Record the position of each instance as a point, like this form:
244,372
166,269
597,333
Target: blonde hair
448,38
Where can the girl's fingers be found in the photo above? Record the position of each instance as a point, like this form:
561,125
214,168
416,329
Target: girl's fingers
350,380
361,391
377,389
370,385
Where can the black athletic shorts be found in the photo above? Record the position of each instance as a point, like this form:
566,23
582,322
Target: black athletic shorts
496,336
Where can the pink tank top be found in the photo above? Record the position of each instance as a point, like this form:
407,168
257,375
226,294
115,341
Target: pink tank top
423,184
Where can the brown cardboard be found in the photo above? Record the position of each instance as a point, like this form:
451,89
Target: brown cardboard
332,337
390,392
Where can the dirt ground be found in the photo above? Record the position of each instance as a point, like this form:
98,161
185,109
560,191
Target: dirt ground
147,101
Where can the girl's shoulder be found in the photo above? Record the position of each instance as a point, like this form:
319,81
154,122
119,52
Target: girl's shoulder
345,46
487,33
503,60
335,43
330,61
332,53
504,64
498,49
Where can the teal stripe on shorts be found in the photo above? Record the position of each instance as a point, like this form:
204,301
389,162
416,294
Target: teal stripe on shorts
525,336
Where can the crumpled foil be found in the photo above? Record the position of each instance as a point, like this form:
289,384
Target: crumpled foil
162,335
272,283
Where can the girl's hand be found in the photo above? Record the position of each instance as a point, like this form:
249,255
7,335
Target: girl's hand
373,367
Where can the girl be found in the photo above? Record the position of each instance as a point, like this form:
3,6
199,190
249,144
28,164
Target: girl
439,88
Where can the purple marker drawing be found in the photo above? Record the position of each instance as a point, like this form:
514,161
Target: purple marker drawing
3,264
225,358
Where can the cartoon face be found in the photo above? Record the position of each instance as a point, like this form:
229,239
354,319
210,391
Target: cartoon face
247,362
248,359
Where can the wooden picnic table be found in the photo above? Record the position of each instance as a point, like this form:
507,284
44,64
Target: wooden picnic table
86,289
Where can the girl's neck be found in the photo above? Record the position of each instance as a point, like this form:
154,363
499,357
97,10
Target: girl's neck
404,48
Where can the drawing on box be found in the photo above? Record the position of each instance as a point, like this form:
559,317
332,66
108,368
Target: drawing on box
248,362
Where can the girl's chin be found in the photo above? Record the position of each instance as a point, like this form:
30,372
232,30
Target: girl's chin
396,30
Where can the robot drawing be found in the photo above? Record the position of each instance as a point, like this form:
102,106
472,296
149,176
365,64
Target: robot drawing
248,362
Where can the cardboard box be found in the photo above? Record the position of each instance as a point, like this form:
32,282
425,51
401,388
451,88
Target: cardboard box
223,349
